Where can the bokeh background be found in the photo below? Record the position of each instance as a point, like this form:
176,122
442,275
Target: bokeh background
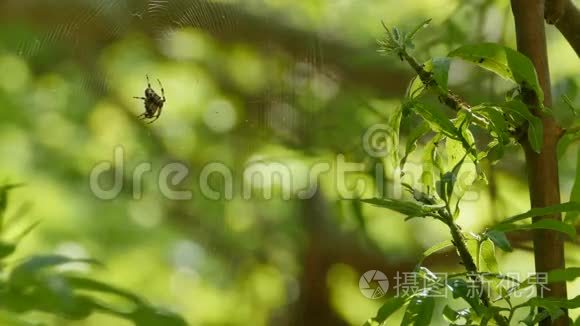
295,82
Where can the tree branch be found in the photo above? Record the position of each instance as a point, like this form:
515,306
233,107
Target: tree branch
566,17
542,168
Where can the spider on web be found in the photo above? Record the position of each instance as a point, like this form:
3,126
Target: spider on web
153,102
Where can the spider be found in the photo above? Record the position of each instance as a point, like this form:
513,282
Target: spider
153,102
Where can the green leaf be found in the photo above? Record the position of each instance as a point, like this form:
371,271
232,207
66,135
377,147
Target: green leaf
534,318
453,316
563,275
497,123
503,61
86,284
569,137
26,231
387,309
11,319
414,32
499,239
32,265
461,289
545,224
437,120
4,190
449,179
414,135
575,193
395,125
408,208
433,249
553,305
541,211
473,248
487,256
450,314
419,311
6,249
441,71
149,316
415,88
535,127
143,315
432,164
439,68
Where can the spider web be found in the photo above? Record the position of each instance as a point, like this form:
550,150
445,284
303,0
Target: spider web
101,22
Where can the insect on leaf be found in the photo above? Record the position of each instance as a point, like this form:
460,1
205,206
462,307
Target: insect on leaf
503,61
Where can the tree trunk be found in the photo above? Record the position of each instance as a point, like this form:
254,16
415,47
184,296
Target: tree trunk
542,169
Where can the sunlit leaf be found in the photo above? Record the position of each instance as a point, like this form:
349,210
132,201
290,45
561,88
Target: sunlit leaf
545,224
541,211
503,61
387,309
487,256
437,120
433,249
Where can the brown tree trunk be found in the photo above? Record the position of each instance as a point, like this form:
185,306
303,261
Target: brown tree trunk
314,306
542,168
